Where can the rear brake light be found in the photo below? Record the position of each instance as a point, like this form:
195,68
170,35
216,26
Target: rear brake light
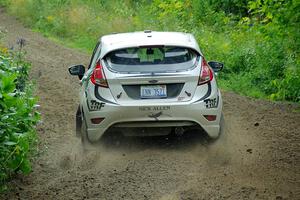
206,74
98,76
210,117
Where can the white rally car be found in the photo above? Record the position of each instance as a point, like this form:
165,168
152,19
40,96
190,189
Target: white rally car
147,83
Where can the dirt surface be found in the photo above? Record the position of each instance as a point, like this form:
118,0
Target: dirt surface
257,156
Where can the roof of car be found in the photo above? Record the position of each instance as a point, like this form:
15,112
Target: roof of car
147,38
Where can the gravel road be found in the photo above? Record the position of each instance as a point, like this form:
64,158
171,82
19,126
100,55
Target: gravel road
257,156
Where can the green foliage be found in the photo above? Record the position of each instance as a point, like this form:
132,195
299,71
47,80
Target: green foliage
237,7
17,116
278,11
258,40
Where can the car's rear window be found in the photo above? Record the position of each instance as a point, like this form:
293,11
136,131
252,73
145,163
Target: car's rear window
151,59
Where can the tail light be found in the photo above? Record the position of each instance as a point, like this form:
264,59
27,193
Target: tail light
98,76
210,117
206,73
97,120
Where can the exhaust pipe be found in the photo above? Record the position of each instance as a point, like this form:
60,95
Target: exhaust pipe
179,131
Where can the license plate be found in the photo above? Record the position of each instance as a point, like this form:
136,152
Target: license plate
153,91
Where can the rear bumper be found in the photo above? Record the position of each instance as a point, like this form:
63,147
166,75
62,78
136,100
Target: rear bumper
162,115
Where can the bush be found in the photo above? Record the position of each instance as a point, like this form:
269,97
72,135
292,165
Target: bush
17,115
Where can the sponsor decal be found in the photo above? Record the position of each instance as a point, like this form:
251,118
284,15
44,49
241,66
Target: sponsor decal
155,115
188,93
95,105
154,108
119,95
180,98
155,111
211,103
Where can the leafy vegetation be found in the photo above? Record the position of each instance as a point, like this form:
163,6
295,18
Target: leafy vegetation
17,115
258,40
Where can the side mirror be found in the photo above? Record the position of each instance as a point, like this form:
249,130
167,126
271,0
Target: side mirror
216,66
77,70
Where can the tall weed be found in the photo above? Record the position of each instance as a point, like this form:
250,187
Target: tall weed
17,115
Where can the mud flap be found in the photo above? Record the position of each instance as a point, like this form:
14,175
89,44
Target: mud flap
82,129
222,128
78,122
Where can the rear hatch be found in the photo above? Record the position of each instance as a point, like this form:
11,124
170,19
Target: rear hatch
152,74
